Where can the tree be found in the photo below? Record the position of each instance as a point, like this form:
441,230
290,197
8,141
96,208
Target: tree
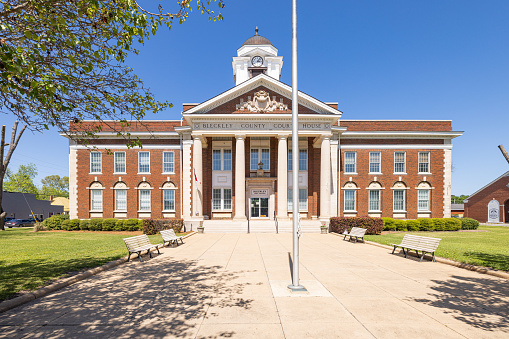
62,61
458,199
4,161
54,185
22,181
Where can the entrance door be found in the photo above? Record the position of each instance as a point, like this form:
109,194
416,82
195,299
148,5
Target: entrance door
506,210
259,207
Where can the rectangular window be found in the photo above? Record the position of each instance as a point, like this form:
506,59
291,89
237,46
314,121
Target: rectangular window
119,162
221,199
303,199
423,200
120,200
144,200
143,162
424,162
374,200
350,162
168,162
303,160
350,200
95,162
96,200
169,200
227,159
399,200
216,160
399,162
260,154
374,162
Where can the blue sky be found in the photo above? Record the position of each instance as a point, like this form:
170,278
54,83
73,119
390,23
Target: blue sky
398,59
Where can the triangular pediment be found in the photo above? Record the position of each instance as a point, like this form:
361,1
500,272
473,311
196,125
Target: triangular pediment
261,95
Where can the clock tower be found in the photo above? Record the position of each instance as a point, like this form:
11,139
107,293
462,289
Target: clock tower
256,56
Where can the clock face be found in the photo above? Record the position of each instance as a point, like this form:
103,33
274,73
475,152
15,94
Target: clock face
257,61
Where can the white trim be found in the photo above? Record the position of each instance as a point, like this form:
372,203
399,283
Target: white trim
380,147
114,135
170,147
401,134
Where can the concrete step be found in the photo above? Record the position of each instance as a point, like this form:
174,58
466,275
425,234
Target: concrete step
258,226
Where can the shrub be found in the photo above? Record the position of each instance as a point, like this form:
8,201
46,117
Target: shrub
39,227
400,225
109,224
55,222
438,224
389,224
119,225
95,224
412,225
469,224
452,224
75,224
84,225
153,226
425,224
66,225
132,225
372,225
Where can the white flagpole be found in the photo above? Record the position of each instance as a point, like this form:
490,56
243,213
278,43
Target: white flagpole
295,286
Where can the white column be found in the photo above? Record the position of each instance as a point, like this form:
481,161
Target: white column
197,170
334,184
282,178
447,181
187,177
240,178
325,179
73,181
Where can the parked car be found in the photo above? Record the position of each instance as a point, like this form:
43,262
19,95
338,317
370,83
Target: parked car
19,223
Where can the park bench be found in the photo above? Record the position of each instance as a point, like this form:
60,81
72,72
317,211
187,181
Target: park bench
170,237
355,232
418,243
139,244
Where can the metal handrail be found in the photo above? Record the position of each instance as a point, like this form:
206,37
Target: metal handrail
277,224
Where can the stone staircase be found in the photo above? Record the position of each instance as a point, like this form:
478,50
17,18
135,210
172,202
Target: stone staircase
258,226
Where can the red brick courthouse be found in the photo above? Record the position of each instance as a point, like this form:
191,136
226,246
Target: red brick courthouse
227,162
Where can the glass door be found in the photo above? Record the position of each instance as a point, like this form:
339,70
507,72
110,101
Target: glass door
255,207
259,207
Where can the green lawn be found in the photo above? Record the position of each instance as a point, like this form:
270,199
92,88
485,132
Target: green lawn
489,248
29,260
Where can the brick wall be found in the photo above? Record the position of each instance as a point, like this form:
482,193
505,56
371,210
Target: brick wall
477,205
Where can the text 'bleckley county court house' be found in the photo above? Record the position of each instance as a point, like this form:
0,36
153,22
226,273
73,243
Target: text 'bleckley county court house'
228,162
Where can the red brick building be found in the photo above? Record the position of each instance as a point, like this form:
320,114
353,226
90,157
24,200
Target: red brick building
227,162
490,203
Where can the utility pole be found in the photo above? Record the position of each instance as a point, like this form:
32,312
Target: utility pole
504,152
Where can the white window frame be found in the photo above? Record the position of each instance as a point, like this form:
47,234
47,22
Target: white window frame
374,163
140,209
303,203
404,163
99,165
354,200
115,163
223,200
428,163
254,167
171,163
139,163
222,159
171,200
93,202
354,163
428,200
301,159
117,209
379,200
394,192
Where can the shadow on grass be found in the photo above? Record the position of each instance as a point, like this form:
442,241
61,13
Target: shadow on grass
480,302
155,298
496,261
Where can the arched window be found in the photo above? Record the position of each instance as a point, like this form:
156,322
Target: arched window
96,196
120,196
144,196
350,196
399,196
423,196
168,189
374,198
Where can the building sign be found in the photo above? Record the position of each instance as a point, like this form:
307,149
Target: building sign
260,193
493,211
259,126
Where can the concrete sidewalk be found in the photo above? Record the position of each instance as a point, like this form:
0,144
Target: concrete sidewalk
229,285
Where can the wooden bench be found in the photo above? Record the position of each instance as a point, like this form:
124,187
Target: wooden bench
139,244
355,232
170,237
418,243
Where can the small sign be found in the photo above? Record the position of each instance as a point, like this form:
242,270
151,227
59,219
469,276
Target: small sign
262,193
493,211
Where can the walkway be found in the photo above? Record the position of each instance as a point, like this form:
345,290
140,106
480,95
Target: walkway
226,285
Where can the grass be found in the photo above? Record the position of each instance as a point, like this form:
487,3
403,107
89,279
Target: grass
489,248
29,260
